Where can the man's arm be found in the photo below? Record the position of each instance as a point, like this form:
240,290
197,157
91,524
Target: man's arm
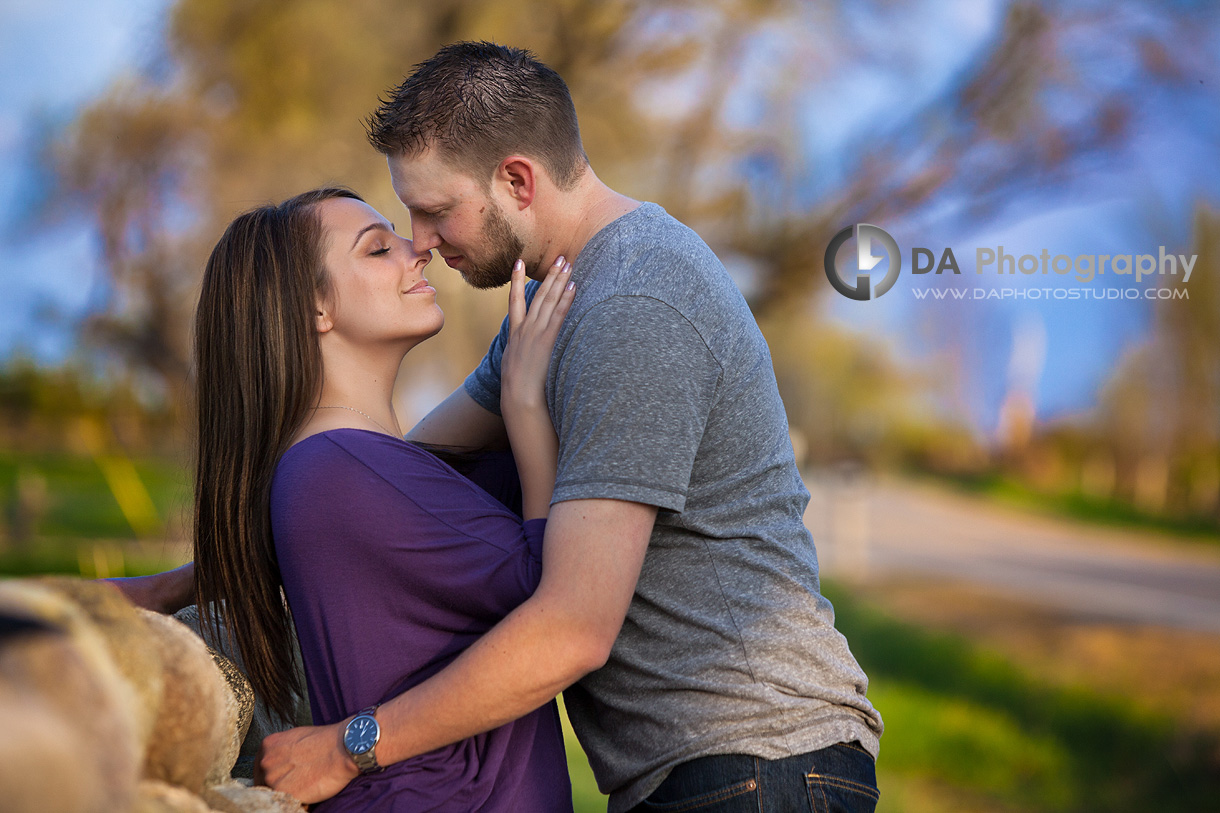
460,422
592,556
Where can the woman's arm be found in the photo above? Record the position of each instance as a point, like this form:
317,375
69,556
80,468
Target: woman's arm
166,592
527,357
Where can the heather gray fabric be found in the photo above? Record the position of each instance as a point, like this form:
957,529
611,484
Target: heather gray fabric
662,391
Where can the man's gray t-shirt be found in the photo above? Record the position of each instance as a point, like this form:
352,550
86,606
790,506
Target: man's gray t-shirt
662,391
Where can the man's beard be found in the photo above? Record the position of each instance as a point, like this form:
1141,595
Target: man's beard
504,249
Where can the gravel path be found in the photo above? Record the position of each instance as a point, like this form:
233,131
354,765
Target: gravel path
868,529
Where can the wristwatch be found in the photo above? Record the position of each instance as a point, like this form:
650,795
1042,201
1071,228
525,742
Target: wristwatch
360,739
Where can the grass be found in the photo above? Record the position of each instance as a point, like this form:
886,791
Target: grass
963,718
76,502
978,748
91,559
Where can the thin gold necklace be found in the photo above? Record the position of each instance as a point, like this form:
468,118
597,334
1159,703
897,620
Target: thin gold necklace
365,414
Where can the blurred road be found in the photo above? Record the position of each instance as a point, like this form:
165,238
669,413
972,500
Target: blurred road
869,529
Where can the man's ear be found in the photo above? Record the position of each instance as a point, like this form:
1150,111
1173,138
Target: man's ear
322,318
520,176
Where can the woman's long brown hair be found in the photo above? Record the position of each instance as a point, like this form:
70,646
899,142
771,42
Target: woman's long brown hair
259,371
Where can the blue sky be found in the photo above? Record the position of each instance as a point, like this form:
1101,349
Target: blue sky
54,57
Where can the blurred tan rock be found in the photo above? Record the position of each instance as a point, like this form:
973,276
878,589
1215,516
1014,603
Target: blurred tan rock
160,797
240,708
236,797
100,619
107,708
197,715
67,741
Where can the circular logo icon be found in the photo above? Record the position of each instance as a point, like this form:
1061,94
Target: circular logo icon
867,237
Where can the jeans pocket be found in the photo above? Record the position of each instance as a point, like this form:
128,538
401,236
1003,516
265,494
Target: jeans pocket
736,798
832,794
843,780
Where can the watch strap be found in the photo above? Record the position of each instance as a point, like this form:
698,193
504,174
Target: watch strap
367,762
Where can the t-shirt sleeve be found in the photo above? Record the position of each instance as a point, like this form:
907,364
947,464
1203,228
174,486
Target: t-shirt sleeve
634,388
483,384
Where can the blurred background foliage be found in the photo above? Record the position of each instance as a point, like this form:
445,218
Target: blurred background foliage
703,108
697,106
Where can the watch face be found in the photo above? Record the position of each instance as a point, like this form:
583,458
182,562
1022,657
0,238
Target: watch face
361,735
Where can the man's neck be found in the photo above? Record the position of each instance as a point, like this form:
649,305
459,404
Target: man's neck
578,216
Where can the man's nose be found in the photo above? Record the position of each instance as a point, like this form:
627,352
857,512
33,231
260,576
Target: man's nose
415,251
424,238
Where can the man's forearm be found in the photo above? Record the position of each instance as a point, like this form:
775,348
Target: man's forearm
521,664
591,560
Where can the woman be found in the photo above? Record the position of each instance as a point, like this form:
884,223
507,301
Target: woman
391,561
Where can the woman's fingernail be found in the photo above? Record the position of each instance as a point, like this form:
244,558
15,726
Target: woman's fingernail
518,265
571,285
567,269
559,260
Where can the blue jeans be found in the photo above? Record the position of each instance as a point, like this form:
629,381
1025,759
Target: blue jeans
838,779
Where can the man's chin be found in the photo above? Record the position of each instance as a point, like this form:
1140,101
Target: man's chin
485,279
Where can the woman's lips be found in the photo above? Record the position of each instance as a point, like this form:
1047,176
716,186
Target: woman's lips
421,287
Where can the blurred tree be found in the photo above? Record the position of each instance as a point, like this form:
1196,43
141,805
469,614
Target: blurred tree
266,99
41,406
128,161
702,107
1160,412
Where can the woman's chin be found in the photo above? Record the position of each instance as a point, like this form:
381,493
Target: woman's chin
440,323
422,329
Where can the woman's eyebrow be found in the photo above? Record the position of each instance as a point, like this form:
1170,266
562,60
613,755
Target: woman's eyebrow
370,227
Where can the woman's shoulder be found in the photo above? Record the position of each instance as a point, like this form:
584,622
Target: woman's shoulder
338,451
335,475
342,442
344,456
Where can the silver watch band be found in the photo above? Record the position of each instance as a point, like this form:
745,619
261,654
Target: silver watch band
367,762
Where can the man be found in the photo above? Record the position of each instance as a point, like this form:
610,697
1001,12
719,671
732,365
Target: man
679,605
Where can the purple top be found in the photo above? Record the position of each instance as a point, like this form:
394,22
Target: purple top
393,564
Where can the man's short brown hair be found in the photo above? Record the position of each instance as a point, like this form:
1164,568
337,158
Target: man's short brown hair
477,103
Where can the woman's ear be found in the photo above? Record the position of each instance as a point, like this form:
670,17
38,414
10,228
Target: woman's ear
322,318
